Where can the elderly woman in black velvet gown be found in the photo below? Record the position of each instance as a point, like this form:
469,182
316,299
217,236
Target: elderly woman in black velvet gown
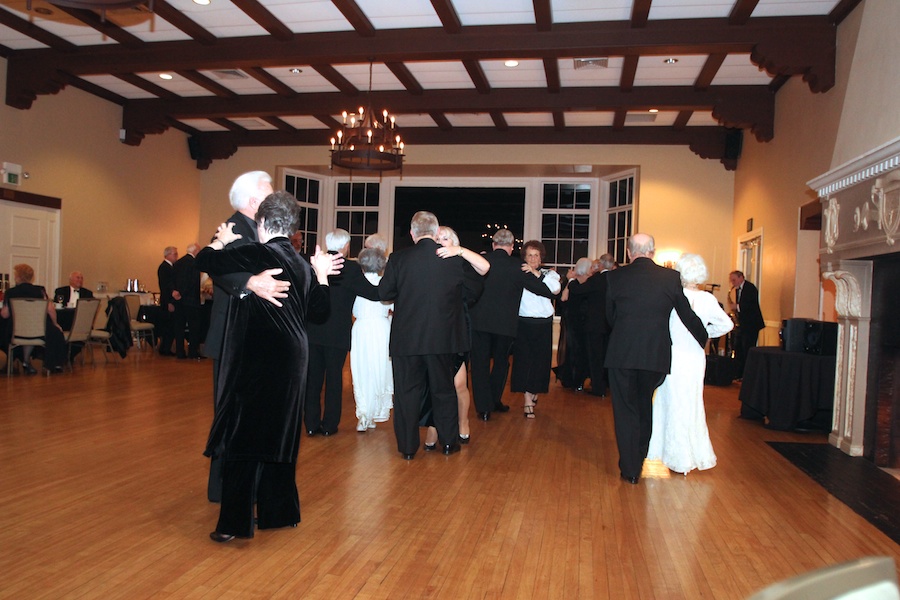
54,341
262,375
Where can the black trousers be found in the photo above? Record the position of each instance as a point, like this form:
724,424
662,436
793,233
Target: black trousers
413,375
489,381
187,317
272,485
596,346
743,340
632,401
326,366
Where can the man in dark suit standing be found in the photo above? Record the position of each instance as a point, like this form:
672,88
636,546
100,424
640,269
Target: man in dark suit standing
165,274
329,342
247,193
749,317
639,299
69,295
597,326
187,306
495,319
427,332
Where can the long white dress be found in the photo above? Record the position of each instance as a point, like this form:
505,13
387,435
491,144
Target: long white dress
370,362
680,437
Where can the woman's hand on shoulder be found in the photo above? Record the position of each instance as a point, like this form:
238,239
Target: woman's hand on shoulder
225,234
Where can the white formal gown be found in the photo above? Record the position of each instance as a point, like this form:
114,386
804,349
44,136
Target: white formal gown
680,437
370,362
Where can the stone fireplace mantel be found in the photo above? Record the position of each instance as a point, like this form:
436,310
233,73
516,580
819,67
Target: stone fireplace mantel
860,220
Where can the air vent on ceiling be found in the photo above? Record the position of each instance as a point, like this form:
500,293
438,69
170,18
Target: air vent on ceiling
230,74
640,118
591,63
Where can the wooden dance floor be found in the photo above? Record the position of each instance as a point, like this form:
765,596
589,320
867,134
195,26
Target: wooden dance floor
104,496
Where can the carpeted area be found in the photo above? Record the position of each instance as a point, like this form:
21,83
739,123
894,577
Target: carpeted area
869,491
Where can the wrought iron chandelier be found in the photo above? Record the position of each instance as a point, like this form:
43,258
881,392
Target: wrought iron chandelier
367,142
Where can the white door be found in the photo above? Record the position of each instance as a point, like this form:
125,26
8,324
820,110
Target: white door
30,234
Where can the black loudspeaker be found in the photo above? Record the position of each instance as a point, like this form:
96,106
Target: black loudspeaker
809,336
734,141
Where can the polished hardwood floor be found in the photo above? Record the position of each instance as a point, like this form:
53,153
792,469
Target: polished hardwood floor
104,496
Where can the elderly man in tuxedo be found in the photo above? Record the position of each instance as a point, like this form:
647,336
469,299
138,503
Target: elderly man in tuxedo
749,318
69,295
165,275
639,299
427,332
495,319
187,306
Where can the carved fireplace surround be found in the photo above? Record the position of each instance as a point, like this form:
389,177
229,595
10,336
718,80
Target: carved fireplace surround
860,219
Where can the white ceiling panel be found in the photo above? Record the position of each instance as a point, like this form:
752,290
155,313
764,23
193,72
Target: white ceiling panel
440,75
494,12
529,73
577,11
738,70
653,70
529,119
470,119
569,76
400,15
589,118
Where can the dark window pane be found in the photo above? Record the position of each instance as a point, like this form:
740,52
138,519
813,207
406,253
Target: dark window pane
310,240
564,251
343,194
620,251
628,223
302,226
582,227
313,195
613,193
371,223
343,220
551,251
583,196
290,185
372,194
356,244
551,196
567,196
620,224
312,220
611,226
579,250
564,230
548,226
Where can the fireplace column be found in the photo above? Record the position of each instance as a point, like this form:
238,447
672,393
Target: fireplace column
853,280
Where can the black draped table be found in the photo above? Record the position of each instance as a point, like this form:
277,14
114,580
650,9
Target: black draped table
791,390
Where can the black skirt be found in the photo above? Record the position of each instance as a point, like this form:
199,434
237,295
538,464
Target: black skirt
533,353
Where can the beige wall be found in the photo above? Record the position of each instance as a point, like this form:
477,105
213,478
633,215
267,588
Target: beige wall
121,205
813,133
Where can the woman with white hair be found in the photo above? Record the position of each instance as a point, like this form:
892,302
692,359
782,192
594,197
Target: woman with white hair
680,437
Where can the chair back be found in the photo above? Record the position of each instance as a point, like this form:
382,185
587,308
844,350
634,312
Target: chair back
869,578
101,317
85,311
133,303
29,316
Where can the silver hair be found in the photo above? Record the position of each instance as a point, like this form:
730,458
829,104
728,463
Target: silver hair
169,250
607,261
503,237
641,244
443,230
372,260
692,269
376,240
336,240
246,186
423,223
583,266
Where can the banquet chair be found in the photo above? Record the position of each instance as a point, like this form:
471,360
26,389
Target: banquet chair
99,335
28,324
140,330
869,578
80,333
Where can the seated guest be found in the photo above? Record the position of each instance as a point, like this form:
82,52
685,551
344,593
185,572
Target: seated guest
54,341
68,295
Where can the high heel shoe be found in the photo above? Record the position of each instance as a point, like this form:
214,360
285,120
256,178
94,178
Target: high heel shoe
463,439
431,447
529,412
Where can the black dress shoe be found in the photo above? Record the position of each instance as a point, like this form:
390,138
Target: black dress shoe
409,456
631,480
221,538
484,416
500,407
327,433
430,447
29,370
450,449
312,432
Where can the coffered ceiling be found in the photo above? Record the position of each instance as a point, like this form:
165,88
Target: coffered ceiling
699,73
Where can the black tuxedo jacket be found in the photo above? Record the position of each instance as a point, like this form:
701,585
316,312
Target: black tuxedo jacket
228,288
428,294
187,281
639,299
749,315
497,310
166,276
345,287
65,293
594,292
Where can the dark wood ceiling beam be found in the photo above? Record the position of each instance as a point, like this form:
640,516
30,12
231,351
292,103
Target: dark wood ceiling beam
28,28
741,11
405,77
619,119
543,15
629,69
448,16
499,120
559,120
336,79
640,13
270,81
229,125
163,9
441,119
107,28
265,19
206,83
681,121
708,72
139,82
479,79
551,72
279,124
328,121
355,16
788,35
90,88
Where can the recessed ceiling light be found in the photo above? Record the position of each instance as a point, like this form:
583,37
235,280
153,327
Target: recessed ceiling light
295,70
511,63
670,61
202,2
166,76
653,110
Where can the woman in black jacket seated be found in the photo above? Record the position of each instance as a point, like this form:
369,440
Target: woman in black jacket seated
54,341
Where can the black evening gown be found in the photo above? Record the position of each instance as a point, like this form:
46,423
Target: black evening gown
262,378
54,350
